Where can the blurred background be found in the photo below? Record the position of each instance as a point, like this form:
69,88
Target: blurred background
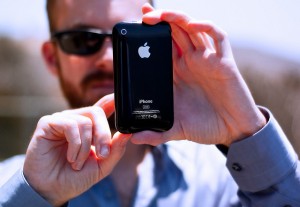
264,36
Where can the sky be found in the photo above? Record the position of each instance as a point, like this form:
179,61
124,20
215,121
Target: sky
270,25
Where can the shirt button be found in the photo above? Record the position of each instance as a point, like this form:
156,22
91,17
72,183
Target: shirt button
236,167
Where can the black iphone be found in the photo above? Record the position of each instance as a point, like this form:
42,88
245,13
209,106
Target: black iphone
143,77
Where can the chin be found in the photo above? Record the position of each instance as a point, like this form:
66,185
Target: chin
89,98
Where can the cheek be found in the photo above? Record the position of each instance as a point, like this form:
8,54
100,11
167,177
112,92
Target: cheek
73,69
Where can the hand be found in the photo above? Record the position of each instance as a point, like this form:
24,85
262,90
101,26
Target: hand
212,103
59,162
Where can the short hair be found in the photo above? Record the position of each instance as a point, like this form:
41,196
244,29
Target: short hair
50,6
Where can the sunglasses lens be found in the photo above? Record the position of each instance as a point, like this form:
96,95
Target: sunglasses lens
80,43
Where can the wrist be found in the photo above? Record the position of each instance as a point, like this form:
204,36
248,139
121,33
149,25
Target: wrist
50,196
252,126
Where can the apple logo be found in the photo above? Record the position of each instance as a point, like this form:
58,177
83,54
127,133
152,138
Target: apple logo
144,51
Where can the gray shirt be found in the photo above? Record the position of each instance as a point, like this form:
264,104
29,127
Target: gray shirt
260,171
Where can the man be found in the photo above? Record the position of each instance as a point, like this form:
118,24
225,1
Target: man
212,106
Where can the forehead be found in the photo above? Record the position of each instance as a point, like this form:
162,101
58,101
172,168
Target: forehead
102,14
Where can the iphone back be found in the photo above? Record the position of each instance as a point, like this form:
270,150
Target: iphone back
143,76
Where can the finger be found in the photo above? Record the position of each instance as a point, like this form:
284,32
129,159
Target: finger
182,20
147,8
219,37
64,129
182,39
200,42
150,138
77,131
176,51
176,54
119,140
101,131
118,147
207,42
179,23
107,104
101,125
157,16
175,17
152,17
85,126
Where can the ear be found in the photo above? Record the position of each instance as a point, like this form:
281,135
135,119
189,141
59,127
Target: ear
50,57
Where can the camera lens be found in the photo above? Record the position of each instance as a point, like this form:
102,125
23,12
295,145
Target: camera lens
123,31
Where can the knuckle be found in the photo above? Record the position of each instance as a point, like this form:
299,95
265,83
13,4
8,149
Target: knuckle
222,34
76,143
44,120
103,137
95,111
70,124
98,110
68,111
86,122
87,132
72,127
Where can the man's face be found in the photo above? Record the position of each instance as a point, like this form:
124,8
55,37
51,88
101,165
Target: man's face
85,79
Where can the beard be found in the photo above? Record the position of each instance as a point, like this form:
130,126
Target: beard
79,99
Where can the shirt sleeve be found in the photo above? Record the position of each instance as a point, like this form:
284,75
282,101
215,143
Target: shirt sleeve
266,167
17,192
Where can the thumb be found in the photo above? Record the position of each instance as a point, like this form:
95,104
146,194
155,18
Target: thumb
118,147
150,15
147,8
107,104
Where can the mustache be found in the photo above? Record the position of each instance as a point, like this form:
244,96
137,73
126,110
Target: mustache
97,75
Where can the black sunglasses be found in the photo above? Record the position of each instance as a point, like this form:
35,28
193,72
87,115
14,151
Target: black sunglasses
81,41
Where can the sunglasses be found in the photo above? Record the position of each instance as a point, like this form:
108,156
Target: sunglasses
81,41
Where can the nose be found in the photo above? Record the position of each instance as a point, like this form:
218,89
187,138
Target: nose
105,56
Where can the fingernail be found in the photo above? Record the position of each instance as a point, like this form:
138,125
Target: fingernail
77,165
104,151
73,158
